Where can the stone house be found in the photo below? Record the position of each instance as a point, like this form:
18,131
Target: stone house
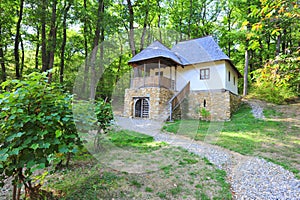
191,78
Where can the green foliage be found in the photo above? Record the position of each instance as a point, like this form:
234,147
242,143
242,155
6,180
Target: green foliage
278,80
204,113
37,126
104,114
134,140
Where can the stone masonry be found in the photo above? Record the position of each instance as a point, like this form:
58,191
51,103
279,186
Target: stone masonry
219,103
158,98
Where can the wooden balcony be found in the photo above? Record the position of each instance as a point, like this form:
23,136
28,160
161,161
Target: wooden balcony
152,81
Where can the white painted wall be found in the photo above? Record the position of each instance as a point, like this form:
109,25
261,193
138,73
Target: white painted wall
192,73
233,83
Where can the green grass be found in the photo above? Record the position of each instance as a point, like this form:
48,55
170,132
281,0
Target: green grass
177,177
135,140
248,136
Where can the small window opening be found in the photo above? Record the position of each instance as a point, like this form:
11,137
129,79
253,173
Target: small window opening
159,73
204,74
204,103
229,76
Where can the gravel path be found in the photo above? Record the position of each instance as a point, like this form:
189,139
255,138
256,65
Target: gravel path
250,177
257,110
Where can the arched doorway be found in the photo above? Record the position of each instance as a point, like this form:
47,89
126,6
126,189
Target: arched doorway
141,107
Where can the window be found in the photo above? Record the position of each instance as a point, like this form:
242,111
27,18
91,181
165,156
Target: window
159,73
229,76
204,74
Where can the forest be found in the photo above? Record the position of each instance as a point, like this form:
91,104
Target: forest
261,37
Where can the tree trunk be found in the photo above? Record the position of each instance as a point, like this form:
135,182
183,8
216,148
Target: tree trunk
22,57
229,29
37,48
95,49
190,19
17,41
131,28
62,55
44,44
278,44
283,46
85,33
2,61
158,20
144,27
131,34
245,91
52,37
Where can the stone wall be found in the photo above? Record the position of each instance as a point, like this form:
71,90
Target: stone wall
235,101
158,98
219,103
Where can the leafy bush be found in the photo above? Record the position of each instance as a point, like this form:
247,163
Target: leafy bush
279,80
37,127
104,114
93,119
204,113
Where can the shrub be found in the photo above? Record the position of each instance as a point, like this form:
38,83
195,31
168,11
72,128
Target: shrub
278,80
37,128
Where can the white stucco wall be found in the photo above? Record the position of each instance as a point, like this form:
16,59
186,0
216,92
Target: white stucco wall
233,83
192,73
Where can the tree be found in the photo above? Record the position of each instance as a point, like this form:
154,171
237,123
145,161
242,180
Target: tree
62,55
17,40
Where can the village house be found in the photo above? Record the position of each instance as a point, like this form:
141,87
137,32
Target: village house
191,79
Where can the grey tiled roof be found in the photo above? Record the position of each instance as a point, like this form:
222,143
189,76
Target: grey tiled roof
156,50
199,50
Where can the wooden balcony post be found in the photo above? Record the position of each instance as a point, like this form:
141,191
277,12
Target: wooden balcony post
131,79
159,72
175,78
171,77
144,73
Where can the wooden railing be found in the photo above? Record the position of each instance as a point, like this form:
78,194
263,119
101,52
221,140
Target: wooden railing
176,100
152,81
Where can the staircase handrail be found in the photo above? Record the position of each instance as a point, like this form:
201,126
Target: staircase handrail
176,100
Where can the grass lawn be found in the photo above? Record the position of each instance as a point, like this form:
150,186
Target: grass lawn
183,176
274,140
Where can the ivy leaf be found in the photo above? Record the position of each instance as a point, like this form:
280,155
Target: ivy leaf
14,151
58,133
3,157
34,146
63,149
